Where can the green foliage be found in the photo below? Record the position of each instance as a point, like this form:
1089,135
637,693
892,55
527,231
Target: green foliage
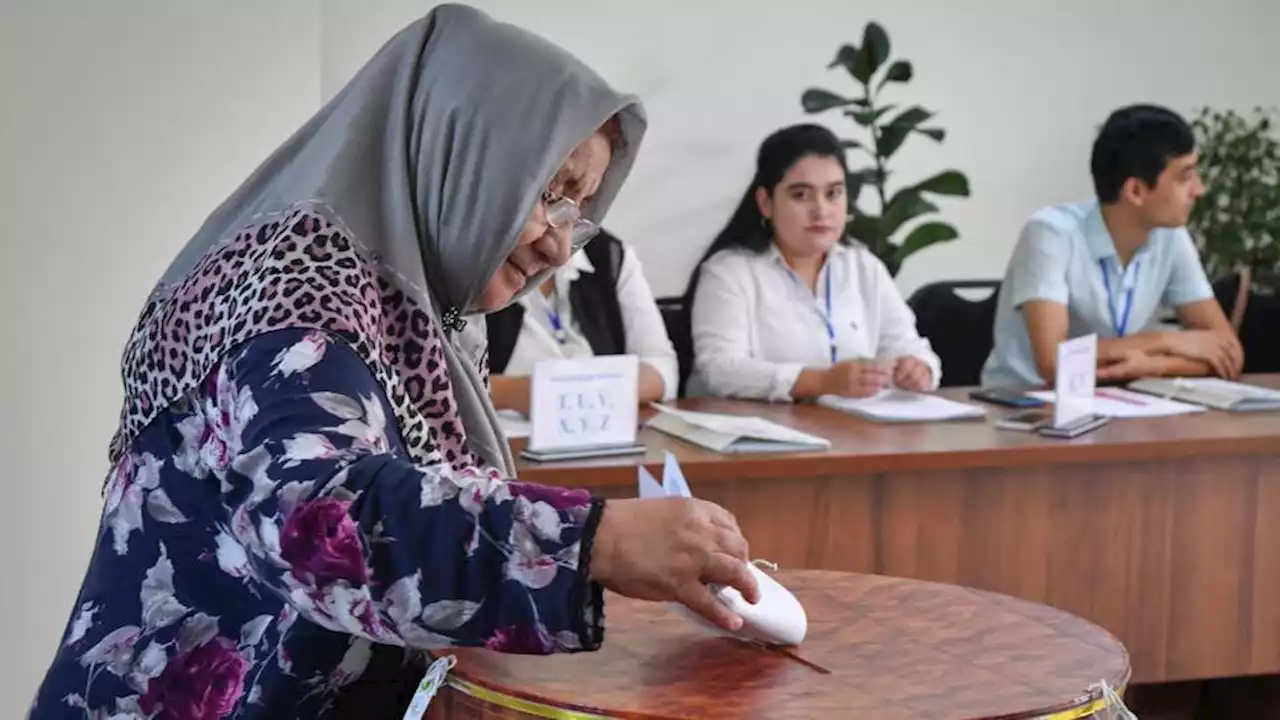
889,128
1237,222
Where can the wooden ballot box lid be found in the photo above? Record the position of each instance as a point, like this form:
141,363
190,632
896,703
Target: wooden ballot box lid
877,647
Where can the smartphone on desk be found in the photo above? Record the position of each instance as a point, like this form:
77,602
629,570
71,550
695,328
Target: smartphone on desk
1029,421
1007,398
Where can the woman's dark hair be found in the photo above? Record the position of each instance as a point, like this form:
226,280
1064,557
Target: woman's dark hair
777,154
746,227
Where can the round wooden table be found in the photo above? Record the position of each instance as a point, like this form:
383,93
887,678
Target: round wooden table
877,647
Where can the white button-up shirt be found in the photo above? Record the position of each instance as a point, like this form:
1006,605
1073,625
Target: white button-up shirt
756,325
646,334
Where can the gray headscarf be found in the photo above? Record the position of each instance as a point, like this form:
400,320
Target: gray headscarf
433,156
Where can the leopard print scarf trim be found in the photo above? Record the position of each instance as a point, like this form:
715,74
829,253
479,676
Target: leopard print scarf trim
299,269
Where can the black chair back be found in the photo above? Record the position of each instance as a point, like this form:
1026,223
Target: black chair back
1258,336
960,330
676,317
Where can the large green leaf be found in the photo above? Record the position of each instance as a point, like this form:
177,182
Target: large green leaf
845,57
905,205
911,117
873,53
816,100
947,182
866,229
891,138
894,132
900,71
869,116
854,182
923,236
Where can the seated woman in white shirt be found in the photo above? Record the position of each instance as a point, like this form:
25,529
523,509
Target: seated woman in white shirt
785,306
598,304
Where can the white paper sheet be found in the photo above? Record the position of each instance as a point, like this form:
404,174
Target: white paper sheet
1120,403
903,406
749,426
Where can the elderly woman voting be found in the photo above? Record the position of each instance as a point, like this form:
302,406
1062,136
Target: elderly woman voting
785,306
307,485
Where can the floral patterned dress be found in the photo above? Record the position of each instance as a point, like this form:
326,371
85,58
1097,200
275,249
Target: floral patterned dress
267,532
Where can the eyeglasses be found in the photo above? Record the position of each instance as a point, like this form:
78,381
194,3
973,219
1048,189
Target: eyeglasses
562,211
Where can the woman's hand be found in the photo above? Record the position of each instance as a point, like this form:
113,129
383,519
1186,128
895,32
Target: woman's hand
1221,350
857,378
664,549
912,373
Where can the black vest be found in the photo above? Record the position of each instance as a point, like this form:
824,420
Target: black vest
593,297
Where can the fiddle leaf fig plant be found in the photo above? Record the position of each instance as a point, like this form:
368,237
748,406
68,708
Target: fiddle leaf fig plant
1236,224
902,212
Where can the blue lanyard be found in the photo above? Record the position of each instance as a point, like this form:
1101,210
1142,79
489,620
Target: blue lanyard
1121,324
826,317
553,316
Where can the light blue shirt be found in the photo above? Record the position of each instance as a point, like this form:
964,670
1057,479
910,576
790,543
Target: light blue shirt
1065,255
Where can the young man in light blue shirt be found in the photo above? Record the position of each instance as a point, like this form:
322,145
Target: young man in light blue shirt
1108,265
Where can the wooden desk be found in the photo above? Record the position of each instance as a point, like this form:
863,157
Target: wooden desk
877,647
1166,531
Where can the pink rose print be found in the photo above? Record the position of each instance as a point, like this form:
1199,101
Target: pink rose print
203,684
321,544
520,639
558,498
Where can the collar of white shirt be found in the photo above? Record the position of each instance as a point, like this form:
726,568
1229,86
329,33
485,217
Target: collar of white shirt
578,264
836,251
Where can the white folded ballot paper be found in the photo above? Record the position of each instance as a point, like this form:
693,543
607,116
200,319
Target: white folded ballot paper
777,619
733,433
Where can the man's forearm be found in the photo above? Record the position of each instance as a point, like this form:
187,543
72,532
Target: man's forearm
1176,366
1152,343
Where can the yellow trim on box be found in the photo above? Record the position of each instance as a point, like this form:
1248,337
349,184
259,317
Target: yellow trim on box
548,712
1083,711
509,702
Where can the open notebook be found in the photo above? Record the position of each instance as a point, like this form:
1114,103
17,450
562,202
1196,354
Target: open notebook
901,406
733,433
1211,392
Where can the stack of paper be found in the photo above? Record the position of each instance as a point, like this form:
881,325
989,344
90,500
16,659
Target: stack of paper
733,433
901,406
1212,392
1120,403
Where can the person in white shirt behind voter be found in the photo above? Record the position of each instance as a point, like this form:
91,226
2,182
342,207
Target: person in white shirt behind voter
1108,265
785,306
598,304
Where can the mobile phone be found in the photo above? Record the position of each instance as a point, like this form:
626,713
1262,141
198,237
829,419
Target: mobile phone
1026,421
1007,398
1076,429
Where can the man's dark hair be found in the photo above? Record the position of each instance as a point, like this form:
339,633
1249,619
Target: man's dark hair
1137,141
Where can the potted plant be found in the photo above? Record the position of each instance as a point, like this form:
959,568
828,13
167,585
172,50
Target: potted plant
1236,225
886,128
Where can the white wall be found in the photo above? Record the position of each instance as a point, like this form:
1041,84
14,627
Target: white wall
1019,86
121,125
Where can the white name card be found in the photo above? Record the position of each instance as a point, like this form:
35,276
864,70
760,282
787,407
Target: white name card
584,403
1076,379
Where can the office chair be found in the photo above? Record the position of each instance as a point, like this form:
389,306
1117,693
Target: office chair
959,329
